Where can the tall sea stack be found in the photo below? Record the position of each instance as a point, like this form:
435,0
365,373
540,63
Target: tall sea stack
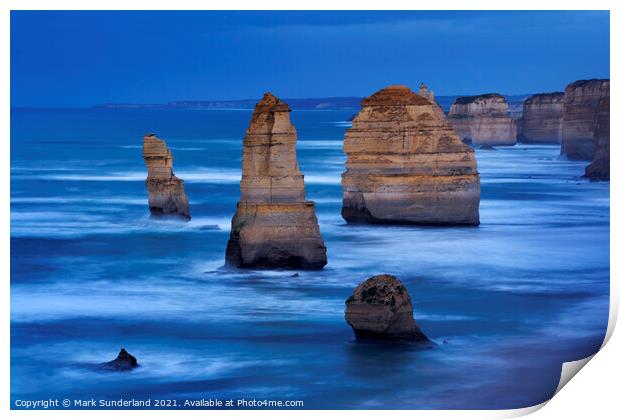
483,119
583,101
274,226
166,193
542,118
598,170
406,165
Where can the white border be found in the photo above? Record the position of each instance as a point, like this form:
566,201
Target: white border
593,395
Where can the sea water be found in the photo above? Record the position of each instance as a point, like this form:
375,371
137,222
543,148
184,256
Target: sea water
505,303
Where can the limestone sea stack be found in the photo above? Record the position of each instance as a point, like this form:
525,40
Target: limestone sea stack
406,165
598,170
542,118
484,119
582,104
274,225
380,309
429,95
166,193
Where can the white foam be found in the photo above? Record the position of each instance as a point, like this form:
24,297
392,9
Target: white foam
80,200
319,144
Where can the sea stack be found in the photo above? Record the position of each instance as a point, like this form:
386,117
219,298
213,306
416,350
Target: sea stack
380,309
124,361
166,193
542,118
406,165
598,170
274,225
484,119
583,100
429,95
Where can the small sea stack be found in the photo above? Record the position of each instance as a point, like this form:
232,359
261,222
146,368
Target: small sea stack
406,165
542,118
429,95
583,101
380,309
124,361
598,170
484,119
166,192
274,225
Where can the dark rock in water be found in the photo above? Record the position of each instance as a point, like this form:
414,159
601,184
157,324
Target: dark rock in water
486,147
295,275
380,309
124,361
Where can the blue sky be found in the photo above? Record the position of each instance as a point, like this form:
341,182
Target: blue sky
69,58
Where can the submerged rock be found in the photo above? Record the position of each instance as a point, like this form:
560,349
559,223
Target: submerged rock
406,165
380,309
166,193
598,170
274,225
583,101
124,361
542,118
484,119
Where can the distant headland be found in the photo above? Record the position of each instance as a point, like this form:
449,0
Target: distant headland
515,103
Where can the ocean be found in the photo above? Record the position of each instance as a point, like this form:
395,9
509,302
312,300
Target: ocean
505,303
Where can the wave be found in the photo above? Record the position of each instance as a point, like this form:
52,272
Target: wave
319,144
197,175
68,224
80,200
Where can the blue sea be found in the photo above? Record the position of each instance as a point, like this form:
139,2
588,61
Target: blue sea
505,303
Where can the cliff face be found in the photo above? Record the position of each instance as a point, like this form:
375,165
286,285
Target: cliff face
582,104
484,119
598,170
274,226
166,193
542,118
406,165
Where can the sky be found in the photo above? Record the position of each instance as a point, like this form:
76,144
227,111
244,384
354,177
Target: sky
83,58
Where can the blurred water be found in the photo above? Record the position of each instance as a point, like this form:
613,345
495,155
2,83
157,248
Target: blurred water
506,303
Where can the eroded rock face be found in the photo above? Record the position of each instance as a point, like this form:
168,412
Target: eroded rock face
484,119
598,170
274,225
406,165
380,309
124,361
542,118
583,101
166,193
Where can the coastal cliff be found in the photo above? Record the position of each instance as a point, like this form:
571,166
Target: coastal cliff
274,225
598,170
583,100
542,118
406,165
484,119
166,192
